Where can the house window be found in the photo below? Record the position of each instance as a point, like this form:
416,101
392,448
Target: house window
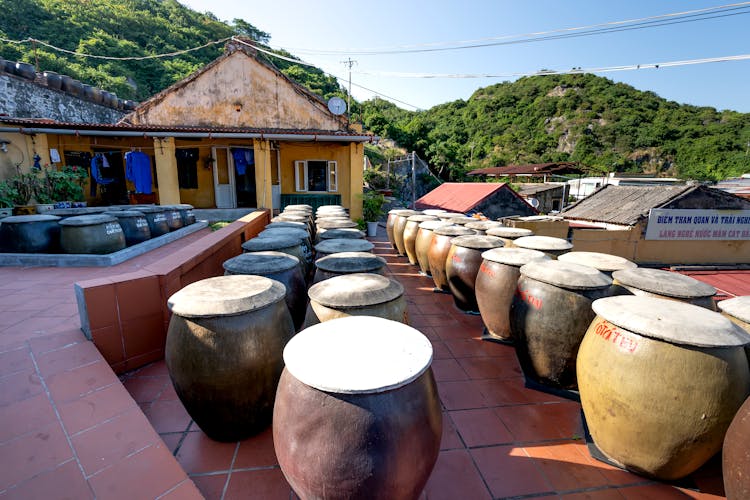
315,176
187,168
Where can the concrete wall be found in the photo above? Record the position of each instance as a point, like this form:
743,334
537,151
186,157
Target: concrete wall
21,98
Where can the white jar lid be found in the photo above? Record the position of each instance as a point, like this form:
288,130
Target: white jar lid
226,296
543,243
601,261
664,283
358,355
738,307
513,256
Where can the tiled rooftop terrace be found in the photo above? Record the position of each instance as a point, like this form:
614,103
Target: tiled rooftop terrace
70,428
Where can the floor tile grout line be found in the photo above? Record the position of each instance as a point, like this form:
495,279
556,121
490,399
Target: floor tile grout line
60,421
229,475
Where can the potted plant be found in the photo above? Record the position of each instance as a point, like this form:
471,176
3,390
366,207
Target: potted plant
372,210
19,189
66,185
43,189
6,200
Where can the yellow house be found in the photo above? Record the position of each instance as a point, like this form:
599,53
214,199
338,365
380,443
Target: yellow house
236,133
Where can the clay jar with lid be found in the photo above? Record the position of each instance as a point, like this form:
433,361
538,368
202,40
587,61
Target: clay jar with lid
423,241
660,381
554,247
307,248
736,455
328,247
333,224
29,233
91,234
348,233
224,352
281,243
389,223
278,266
496,285
410,235
157,220
462,220
481,226
357,412
361,294
462,266
338,264
438,252
187,213
603,262
398,229
174,217
549,315
134,225
509,234
666,285
738,312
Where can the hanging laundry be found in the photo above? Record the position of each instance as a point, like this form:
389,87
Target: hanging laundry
242,159
138,171
98,163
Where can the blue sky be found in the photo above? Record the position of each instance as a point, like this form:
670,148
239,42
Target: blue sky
301,26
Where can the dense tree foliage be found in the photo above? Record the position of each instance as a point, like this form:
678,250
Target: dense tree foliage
604,125
127,28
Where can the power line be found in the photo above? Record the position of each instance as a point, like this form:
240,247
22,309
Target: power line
644,22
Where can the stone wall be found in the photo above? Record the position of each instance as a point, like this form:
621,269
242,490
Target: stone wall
22,98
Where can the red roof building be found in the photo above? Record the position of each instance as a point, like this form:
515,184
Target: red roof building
492,199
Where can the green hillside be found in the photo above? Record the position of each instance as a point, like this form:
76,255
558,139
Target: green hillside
127,28
604,125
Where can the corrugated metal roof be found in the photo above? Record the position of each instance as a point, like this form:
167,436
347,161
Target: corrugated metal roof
622,204
532,169
460,196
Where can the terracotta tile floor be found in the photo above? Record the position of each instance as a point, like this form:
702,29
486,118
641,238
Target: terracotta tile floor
69,428
499,439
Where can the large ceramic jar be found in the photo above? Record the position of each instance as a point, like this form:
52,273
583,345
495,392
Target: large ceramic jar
224,352
306,208
281,243
278,266
304,236
423,242
666,285
549,315
398,229
157,220
462,266
342,233
447,216
356,295
554,247
174,217
738,312
328,247
660,381
357,412
341,263
462,220
30,233
438,252
333,224
481,226
134,225
187,213
295,218
496,285
91,234
603,262
434,211
290,224
509,234
410,235
390,221
736,456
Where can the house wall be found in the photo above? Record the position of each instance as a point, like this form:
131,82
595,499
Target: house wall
21,98
556,228
631,245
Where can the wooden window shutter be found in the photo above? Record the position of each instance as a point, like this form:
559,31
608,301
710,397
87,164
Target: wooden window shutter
300,176
333,179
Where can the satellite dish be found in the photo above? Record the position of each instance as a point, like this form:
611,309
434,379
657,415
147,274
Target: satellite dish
533,202
336,105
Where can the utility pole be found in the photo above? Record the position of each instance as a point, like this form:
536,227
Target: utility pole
413,180
349,62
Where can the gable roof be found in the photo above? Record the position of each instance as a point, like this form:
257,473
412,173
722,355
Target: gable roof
237,89
461,196
538,169
624,205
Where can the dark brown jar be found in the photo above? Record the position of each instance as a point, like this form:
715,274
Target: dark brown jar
174,217
554,247
462,266
660,381
496,285
357,412
328,247
438,252
423,242
735,455
341,263
157,220
410,234
509,234
347,233
361,294
186,212
307,247
278,266
224,352
398,229
282,243
91,234
30,233
666,285
134,225
481,226
333,224
549,315
289,224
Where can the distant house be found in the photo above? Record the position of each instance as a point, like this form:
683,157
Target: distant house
549,196
663,224
236,133
494,200
583,186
